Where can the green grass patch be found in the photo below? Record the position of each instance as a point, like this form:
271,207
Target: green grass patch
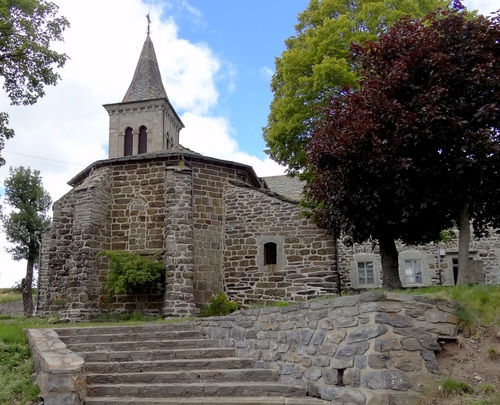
453,387
10,296
479,303
16,365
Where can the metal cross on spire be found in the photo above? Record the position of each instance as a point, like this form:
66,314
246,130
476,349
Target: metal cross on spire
149,22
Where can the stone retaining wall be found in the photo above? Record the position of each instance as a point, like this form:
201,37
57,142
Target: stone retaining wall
58,370
371,349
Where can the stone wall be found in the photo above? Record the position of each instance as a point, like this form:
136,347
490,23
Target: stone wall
306,254
177,207
372,348
179,255
209,222
71,276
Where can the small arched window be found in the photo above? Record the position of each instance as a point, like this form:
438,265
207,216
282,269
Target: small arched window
128,143
143,140
270,253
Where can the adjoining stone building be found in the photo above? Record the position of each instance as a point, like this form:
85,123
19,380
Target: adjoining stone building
216,224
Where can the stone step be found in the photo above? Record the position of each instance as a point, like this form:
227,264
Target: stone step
143,328
153,355
184,376
133,337
200,389
258,400
167,365
142,345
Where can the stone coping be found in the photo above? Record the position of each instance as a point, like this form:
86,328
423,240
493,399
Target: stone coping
59,371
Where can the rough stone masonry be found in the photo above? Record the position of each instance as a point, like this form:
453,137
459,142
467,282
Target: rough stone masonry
373,348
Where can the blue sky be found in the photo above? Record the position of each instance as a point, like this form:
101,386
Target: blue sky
246,36
216,58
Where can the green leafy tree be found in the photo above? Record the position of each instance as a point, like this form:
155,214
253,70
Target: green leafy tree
316,65
418,145
29,218
27,62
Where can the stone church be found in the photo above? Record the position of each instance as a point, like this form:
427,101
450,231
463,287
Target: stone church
215,223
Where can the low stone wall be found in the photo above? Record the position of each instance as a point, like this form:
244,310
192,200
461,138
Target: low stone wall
59,371
374,348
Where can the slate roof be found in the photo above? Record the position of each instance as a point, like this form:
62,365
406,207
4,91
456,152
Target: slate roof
290,187
147,83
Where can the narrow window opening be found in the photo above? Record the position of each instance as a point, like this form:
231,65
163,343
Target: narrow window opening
340,376
143,140
128,143
270,253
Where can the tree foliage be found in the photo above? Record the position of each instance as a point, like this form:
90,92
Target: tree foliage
316,65
30,202
27,62
419,142
131,273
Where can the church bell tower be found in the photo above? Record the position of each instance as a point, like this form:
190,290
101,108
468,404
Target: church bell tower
144,121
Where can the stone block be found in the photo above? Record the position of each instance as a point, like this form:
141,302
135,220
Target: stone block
306,336
386,344
342,395
400,321
346,301
321,361
318,337
438,328
346,322
336,336
313,373
436,316
366,333
408,361
342,363
386,379
410,344
379,361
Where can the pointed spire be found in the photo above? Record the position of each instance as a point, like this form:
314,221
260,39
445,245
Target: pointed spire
147,83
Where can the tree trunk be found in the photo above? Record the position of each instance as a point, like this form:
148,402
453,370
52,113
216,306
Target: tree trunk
390,266
28,282
463,247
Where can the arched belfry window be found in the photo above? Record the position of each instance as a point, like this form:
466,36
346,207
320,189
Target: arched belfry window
128,142
143,140
270,253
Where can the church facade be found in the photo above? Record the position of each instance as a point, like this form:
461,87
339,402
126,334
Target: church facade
217,226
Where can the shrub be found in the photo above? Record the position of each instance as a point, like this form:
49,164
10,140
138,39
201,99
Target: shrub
219,305
132,274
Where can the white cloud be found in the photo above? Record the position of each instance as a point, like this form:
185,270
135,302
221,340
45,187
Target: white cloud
266,72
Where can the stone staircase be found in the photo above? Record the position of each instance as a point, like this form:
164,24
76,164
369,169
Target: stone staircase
172,364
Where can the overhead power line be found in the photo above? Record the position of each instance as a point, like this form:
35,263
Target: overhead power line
42,158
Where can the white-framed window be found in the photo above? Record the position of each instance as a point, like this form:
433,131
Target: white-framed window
413,271
365,270
365,273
